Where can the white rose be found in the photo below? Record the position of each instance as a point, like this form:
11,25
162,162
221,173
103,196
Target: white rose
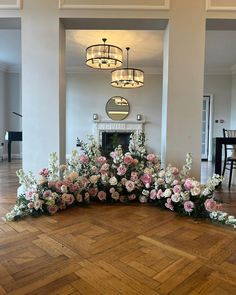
64,189
196,191
161,173
167,193
175,198
113,181
185,196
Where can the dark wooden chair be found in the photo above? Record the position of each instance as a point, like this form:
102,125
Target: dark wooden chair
230,155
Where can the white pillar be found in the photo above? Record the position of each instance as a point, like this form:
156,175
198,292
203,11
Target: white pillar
43,87
183,76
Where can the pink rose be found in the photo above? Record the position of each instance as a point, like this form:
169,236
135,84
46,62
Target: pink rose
47,194
84,159
188,206
52,209
134,176
177,189
175,171
101,160
130,185
210,205
153,194
92,191
73,187
159,194
112,190
121,170
102,196
128,160
151,157
44,172
169,205
104,169
146,178
188,184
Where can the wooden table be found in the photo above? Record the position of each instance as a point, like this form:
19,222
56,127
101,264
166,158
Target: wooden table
218,157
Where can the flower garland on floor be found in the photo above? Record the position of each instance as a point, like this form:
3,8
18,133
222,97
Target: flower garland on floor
128,177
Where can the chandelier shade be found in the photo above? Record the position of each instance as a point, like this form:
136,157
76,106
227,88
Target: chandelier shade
127,77
104,56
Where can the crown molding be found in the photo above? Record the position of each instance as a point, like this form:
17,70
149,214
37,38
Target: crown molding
64,5
16,5
211,7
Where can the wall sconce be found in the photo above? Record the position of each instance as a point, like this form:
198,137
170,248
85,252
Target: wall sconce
139,117
95,117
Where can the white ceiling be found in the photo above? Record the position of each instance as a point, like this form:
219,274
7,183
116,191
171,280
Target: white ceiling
146,47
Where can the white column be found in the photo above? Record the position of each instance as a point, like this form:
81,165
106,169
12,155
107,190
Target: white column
183,75
43,87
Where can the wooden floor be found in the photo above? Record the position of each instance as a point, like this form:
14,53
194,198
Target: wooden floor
114,249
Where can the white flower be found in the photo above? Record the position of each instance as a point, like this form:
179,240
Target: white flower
185,196
175,198
145,193
113,180
64,189
167,193
143,199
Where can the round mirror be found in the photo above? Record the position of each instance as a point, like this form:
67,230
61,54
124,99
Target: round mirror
117,108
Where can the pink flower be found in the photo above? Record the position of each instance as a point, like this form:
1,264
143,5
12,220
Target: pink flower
159,194
146,178
94,169
188,184
177,189
52,209
29,194
151,157
44,172
134,176
73,187
101,160
210,205
51,184
130,185
58,185
104,169
188,206
121,170
92,191
112,190
128,160
68,198
47,194
84,159
30,205
102,196
153,194
175,171
175,182
169,205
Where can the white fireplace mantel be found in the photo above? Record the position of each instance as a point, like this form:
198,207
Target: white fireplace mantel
116,126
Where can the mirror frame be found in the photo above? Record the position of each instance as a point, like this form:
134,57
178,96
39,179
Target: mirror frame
125,115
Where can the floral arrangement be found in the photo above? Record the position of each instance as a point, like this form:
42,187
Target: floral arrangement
124,177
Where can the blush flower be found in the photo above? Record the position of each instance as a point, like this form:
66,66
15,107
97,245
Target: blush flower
128,160
134,176
153,194
101,160
130,185
151,157
121,170
101,196
146,178
210,205
169,205
84,159
188,206
52,209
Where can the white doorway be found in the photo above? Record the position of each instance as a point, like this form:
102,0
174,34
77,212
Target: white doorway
206,149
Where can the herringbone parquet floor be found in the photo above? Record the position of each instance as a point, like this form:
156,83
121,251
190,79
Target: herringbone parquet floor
113,249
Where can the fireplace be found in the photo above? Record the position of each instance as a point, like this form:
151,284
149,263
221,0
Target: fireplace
110,140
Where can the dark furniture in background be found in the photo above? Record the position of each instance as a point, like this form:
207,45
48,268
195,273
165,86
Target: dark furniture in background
12,136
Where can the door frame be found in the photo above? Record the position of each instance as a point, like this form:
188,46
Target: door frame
210,126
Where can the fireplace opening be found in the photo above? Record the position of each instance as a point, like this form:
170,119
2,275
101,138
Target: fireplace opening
110,140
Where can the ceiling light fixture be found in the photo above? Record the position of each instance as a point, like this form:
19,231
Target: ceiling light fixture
104,56
127,77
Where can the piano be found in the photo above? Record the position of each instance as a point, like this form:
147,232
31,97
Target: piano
12,136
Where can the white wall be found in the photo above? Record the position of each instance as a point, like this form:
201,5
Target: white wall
220,86
89,93
233,103
2,106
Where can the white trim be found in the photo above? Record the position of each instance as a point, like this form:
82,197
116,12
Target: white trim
17,5
165,6
210,126
210,7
